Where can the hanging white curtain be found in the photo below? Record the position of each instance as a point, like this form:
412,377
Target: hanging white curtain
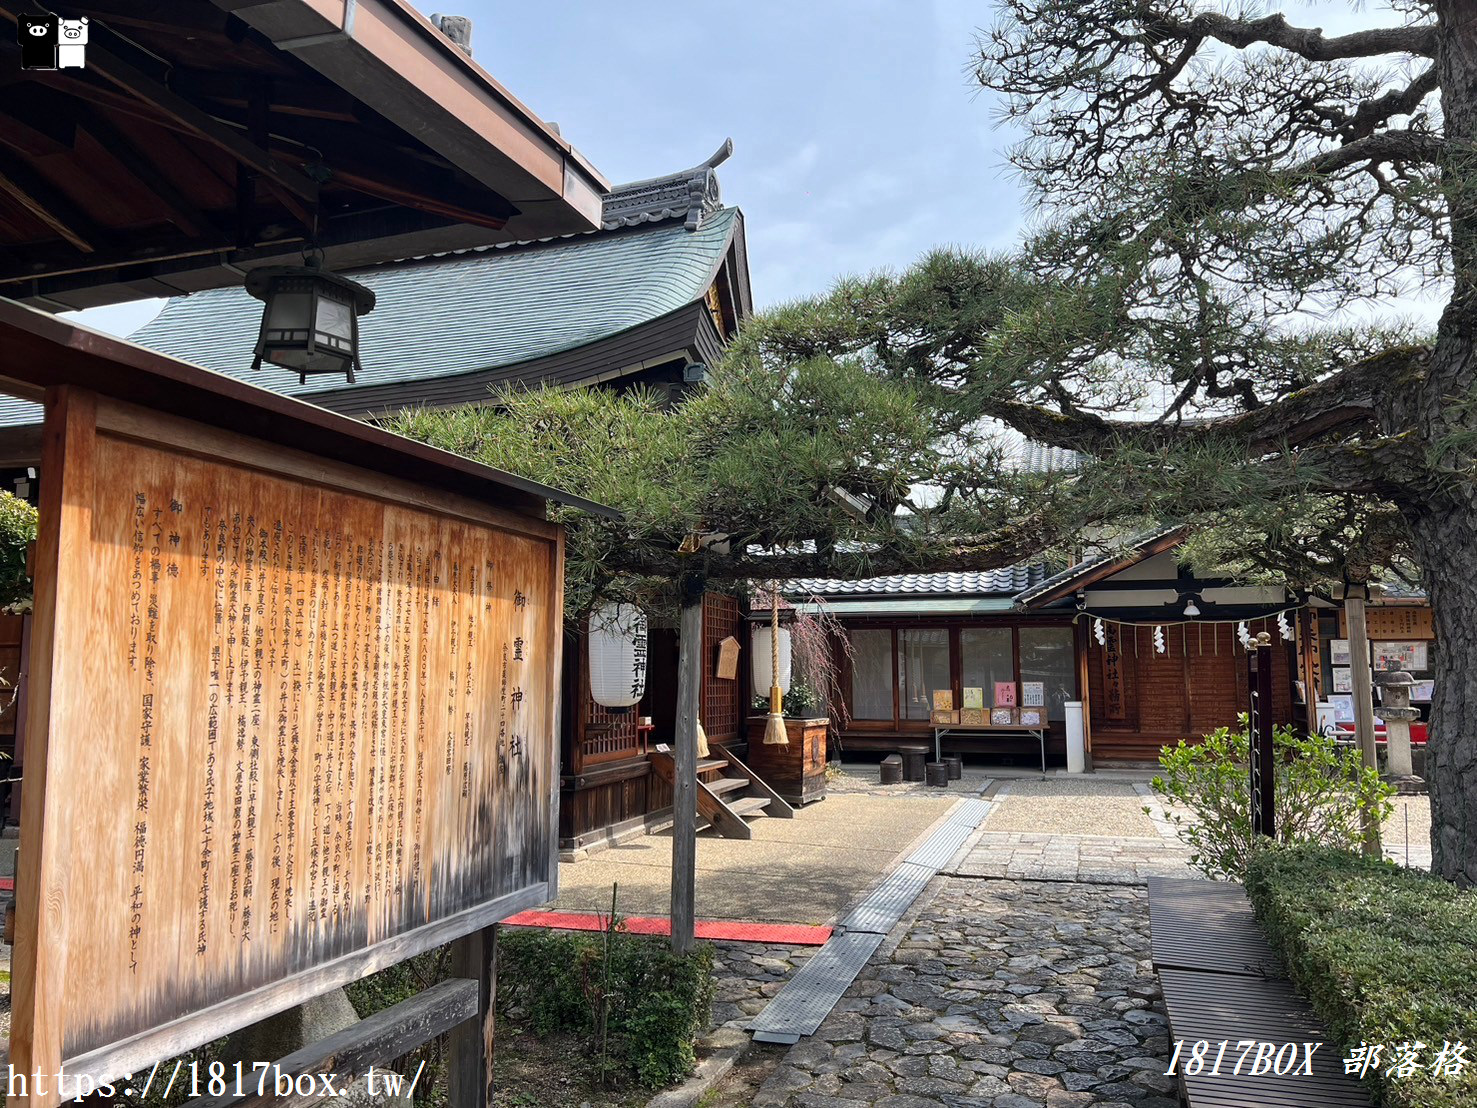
617,655
762,661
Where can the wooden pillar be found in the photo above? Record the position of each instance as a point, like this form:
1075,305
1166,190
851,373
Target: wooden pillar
1308,655
474,957
1355,595
684,787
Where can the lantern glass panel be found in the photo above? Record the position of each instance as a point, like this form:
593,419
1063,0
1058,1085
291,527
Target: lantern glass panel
288,308
335,319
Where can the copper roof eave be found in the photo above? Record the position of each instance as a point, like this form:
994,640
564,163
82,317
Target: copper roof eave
39,351
396,61
1090,573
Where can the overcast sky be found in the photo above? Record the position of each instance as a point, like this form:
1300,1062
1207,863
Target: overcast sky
859,141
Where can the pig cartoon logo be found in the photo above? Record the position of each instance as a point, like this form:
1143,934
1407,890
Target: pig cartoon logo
38,36
71,49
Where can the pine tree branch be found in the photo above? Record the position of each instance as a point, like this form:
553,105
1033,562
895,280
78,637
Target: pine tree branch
1386,146
1370,114
1341,402
1306,42
1387,467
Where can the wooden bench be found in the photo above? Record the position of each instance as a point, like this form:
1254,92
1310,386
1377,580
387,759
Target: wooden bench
1222,982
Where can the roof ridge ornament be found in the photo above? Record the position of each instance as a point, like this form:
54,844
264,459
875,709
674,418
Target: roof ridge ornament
692,194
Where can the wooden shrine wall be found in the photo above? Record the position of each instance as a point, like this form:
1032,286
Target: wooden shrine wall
1140,699
290,722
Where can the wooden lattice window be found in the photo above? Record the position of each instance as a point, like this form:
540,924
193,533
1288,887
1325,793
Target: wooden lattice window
723,709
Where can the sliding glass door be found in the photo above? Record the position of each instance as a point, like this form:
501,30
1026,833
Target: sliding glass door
922,666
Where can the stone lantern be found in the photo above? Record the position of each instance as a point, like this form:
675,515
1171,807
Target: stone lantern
1395,685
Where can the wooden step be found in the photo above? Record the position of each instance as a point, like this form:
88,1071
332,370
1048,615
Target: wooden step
727,784
710,806
750,806
705,764
745,807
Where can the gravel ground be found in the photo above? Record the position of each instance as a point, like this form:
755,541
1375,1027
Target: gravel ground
1071,806
862,779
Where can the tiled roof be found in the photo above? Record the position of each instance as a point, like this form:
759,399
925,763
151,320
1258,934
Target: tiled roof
475,310
462,313
994,582
488,307
15,412
1084,570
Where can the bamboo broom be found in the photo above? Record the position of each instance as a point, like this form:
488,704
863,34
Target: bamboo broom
774,727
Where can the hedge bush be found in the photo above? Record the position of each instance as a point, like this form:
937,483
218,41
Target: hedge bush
1322,794
1384,955
656,1003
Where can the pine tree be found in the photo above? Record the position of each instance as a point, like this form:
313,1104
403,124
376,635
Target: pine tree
1218,183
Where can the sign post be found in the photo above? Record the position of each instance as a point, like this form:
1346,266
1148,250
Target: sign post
292,721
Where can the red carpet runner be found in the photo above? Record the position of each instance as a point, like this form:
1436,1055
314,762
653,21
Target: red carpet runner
781,934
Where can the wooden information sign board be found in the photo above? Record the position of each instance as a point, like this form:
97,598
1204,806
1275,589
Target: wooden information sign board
290,722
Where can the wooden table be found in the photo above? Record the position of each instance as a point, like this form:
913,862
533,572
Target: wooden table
1038,733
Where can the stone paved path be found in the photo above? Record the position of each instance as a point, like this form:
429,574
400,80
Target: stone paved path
1100,858
1132,847
999,994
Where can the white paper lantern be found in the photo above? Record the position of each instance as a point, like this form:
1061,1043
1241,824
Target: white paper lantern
762,663
617,655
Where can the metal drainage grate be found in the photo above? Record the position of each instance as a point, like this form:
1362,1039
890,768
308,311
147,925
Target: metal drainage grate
970,813
889,900
941,845
808,997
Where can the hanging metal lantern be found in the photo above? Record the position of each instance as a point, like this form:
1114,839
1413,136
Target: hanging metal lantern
311,319
617,655
759,671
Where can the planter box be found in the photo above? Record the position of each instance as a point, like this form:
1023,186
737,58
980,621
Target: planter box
796,771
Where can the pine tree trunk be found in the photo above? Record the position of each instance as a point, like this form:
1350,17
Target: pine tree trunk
1447,546
1443,514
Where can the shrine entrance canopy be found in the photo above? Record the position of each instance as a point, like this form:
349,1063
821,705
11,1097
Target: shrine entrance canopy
291,706
201,139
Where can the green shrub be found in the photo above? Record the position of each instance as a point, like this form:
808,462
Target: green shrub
1322,794
17,532
1385,955
656,1003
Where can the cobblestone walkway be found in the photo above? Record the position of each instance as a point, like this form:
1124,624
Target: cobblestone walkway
1100,858
1000,994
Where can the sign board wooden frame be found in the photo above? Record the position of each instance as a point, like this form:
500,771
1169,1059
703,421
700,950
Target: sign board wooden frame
290,722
